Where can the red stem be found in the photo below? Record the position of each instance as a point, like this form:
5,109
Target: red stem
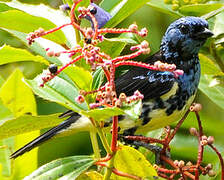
74,22
123,174
114,134
55,29
130,56
111,30
200,147
220,159
71,62
133,63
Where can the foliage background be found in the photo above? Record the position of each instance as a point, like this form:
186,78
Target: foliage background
156,16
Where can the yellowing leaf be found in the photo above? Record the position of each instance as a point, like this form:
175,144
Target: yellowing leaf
131,161
10,54
92,175
17,96
208,66
80,76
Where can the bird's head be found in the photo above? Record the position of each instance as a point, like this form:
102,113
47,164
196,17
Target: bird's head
184,37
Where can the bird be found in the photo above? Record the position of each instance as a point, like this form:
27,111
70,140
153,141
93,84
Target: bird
166,97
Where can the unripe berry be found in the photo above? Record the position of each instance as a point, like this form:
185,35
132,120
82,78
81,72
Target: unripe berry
123,97
144,44
189,163
50,53
80,99
176,162
211,173
209,166
210,140
181,164
133,27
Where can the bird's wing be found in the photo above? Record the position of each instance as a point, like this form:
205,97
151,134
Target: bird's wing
151,84
47,135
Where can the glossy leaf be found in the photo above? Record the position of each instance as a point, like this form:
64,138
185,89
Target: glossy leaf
109,5
112,47
218,27
5,146
122,10
55,16
131,161
36,46
213,89
198,9
133,110
64,168
103,113
17,96
27,23
98,77
80,77
92,175
5,113
60,89
4,7
159,5
10,54
208,66
27,123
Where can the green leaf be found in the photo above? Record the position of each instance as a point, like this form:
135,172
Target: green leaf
60,89
218,27
98,77
80,77
112,47
5,113
198,9
213,89
64,168
5,146
37,47
103,113
208,66
159,5
27,123
92,175
131,161
122,10
55,16
109,5
133,110
20,21
17,96
4,7
10,54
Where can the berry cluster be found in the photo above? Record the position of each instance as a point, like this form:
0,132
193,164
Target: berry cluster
93,55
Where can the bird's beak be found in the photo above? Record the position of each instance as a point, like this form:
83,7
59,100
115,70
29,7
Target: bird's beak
204,34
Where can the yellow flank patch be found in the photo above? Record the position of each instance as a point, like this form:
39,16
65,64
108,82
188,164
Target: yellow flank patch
171,92
160,119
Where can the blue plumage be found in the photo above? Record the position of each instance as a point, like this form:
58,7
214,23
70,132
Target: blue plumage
166,98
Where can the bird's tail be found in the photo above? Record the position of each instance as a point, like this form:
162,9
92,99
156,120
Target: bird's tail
50,133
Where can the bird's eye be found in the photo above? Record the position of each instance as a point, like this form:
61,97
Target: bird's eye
199,29
184,29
